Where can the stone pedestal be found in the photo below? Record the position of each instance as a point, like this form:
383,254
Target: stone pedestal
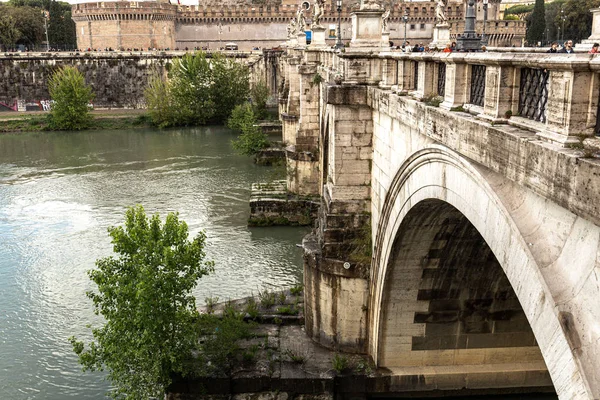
595,36
366,28
301,39
441,36
318,36
385,39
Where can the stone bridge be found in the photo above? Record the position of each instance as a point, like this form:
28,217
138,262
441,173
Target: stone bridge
458,242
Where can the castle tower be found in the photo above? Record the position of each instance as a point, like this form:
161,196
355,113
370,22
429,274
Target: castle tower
125,24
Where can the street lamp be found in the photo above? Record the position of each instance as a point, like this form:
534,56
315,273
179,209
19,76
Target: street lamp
339,44
46,15
405,20
485,15
562,31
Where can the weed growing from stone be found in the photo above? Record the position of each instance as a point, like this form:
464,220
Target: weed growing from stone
288,310
210,304
267,299
297,290
339,363
252,308
281,298
294,356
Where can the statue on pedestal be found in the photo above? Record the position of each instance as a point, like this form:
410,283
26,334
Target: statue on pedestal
318,12
300,20
370,5
292,28
440,12
384,21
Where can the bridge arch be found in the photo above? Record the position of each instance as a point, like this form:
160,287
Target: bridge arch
437,192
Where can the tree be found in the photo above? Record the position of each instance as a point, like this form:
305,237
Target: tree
260,95
159,101
71,96
230,85
536,28
30,22
191,88
144,294
9,33
241,115
199,90
577,19
552,10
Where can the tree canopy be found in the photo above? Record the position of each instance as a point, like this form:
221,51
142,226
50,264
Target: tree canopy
197,90
70,99
22,23
536,28
144,294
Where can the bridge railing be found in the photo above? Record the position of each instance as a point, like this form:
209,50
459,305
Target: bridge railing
555,95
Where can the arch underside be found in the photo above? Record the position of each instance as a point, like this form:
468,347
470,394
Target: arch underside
458,295
449,308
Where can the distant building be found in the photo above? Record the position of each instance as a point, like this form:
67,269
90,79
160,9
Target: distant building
212,23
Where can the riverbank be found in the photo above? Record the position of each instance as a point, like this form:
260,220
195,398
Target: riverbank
280,362
37,121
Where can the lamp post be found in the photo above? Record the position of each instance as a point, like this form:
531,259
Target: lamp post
405,20
485,15
46,15
562,18
339,44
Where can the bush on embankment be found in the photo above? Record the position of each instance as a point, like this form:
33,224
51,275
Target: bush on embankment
197,90
251,139
70,100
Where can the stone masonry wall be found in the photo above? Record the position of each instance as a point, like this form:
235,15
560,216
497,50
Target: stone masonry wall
117,79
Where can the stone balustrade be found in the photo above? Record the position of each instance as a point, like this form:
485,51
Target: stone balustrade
555,95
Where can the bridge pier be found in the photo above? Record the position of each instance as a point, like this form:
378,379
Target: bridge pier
337,257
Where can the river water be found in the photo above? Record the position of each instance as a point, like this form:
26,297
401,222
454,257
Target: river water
59,192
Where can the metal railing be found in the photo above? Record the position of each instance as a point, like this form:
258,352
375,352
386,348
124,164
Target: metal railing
477,85
416,75
441,82
533,93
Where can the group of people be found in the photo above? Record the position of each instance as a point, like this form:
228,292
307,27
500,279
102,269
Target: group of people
568,48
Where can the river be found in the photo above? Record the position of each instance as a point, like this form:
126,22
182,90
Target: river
59,192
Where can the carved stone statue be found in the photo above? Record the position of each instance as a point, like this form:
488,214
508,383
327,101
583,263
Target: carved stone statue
318,12
384,21
370,5
440,12
300,20
292,28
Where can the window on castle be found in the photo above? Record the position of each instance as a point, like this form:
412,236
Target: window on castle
412,27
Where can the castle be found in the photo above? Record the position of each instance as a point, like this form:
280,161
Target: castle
260,23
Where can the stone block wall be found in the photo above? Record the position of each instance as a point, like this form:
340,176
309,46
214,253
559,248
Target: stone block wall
117,79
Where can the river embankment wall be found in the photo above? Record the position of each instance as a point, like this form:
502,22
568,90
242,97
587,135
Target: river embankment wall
118,79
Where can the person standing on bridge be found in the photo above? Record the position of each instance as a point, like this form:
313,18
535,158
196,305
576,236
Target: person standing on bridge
568,47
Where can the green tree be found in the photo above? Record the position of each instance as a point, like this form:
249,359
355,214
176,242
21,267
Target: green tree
191,89
252,139
241,115
30,22
144,294
9,33
199,90
552,10
577,19
260,95
159,101
229,85
71,96
536,22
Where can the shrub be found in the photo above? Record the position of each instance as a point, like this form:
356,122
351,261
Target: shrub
71,97
297,290
252,308
259,93
339,363
251,141
267,299
241,115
